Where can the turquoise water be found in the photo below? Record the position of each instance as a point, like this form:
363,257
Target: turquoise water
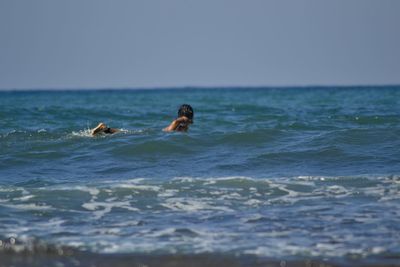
283,173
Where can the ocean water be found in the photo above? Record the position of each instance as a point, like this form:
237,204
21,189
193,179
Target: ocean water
285,173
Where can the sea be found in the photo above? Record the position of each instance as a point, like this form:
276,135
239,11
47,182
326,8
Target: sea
283,173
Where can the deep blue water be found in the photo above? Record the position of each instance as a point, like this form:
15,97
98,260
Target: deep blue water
284,172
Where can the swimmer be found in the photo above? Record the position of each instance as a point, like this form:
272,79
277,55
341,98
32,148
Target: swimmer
102,128
185,118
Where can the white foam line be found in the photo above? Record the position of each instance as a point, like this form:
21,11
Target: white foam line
253,202
138,187
191,205
107,207
30,206
131,181
23,198
91,190
229,196
184,179
13,189
168,193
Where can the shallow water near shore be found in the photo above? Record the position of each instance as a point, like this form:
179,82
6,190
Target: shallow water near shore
285,173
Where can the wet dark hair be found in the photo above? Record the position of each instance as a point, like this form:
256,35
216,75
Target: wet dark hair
187,111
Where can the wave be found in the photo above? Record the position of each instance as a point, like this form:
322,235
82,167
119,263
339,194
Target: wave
184,193
38,252
195,215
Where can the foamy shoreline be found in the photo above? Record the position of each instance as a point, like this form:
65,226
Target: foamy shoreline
137,260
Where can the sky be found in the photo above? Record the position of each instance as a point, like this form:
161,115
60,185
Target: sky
54,44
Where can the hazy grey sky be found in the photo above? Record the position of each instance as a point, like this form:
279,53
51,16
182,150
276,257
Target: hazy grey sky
163,43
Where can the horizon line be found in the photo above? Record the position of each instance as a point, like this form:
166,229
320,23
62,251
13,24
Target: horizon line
206,87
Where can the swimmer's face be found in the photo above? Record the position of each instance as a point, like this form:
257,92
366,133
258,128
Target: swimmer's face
187,120
184,123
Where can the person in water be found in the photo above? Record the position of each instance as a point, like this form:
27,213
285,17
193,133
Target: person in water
185,118
181,124
102,128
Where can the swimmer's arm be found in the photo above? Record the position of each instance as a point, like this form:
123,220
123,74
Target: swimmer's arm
94,131
102,127
98,128
174,124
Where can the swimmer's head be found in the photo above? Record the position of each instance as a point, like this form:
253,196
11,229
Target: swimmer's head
187,111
